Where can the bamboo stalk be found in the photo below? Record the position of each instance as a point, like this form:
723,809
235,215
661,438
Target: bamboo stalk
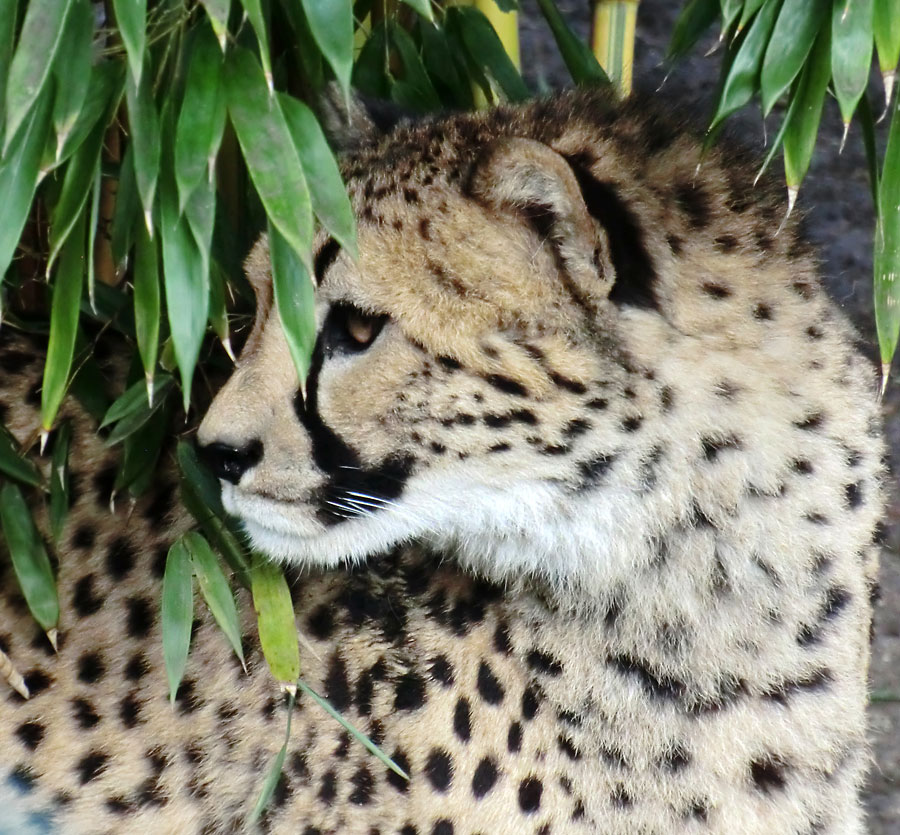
612,39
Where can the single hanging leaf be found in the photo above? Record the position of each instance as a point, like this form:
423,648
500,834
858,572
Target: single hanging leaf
370,72
294,298
741,80
269,150
415,89
887,247
8,10
274,773
581,63
275,620
72,70
778,141
18,177
331,24
13,463
887,42
792,39
29,558
800,135
202,118
127,211
751,7
217,11
131,17
42,30
141,452
253,8
142,412
59,480
216,591
63,323
326,188
218,314
177,613
145,137
695,18
866,118
146,303
93,224
441,63
730,9
851,52
423,7
200,213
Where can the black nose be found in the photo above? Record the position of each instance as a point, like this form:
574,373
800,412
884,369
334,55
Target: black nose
228,462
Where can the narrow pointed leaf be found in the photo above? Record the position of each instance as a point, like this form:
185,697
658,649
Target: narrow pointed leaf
331,24
18,177
146,300
800,135
141,452
442,65
200,213
8,13
887,244
792,39
269,150
145,138
580,61
486,50
127,212
274,773
63,323
29,557
42,30
731,9
751,7
72,70
415,90
218,314
13,463
217,11
254,11
887,33
851,52
693,21
216,591
275,620
177,613
202,118
867,123
131,17
93,224
778,141
142,412
423,7
294,299
59,480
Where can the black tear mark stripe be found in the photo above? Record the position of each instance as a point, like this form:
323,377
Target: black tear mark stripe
337,459
635,273
325,257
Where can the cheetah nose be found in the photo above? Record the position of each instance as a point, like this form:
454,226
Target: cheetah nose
230,463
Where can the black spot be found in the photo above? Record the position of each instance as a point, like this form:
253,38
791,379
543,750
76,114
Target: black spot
489,687
337,687
675,759
129,710
576,427
810,422
568,748
632,424
441,670
565,383
497,421
507,385
530,703
84,599
762,312
400,783
693,200
802,466
675,243
120,558
84,537
524,416
620,797
442,827
654,684
84,714
816,681
530,791
768,774
544,663
726,243
30,734
501,640
449,363
136,667
425,229
501,447
328,788
320,623
13,361
514,738
409,693
716,291
598,403
140,618
439,769
593,471
814,333
713,446
362,783
853,495
91,766
484,778
91,668
462,723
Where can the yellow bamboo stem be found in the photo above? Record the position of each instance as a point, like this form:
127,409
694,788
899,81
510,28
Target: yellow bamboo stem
612,40
506,25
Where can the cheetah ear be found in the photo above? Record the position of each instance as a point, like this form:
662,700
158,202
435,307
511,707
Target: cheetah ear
532,180
362,120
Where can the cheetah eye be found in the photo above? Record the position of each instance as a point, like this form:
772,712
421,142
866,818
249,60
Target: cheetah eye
351,330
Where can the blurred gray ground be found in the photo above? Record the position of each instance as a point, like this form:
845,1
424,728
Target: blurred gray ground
836,199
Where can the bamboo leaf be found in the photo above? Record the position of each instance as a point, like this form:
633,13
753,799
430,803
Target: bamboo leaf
141,451
269,150
867,123
63,323
887,33
202,118
18,177
218,315
580,61
331,24
8,14
751,7
29,557
415,90
177,613
441,61
423,7
887,246
59,480
851,52
216,591
72,70
146,303
275,620
253,8
13,463
695,18
131,17
93,225
792,39
145,137
42,30
294,299
370,70
274,773
141,412
127,210
217,11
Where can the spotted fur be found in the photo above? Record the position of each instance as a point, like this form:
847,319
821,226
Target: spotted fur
583,533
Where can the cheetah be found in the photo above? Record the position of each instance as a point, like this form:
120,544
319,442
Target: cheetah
578,502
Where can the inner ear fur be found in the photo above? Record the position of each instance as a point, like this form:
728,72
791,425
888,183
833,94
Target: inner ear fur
530,179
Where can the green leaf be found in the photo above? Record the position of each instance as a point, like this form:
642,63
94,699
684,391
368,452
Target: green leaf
145,137
294,299
146,303
274,773
253,8
275,620
18,178
13,463
887,33
751,7
741,80
93,224
218,10
177,613
778,141
354,732
851,52
269,150
8,10
580,61
72,70
486,50
202,118
29,557
63,323
127,210
133,408
695,18
423,7
415,90
887,246
370,71
218,315
867,122
442,65
59,480
141,451
792,39
216,591
800,135
331,24
42,31
131,17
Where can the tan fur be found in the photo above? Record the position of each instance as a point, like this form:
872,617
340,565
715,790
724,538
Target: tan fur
638,601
